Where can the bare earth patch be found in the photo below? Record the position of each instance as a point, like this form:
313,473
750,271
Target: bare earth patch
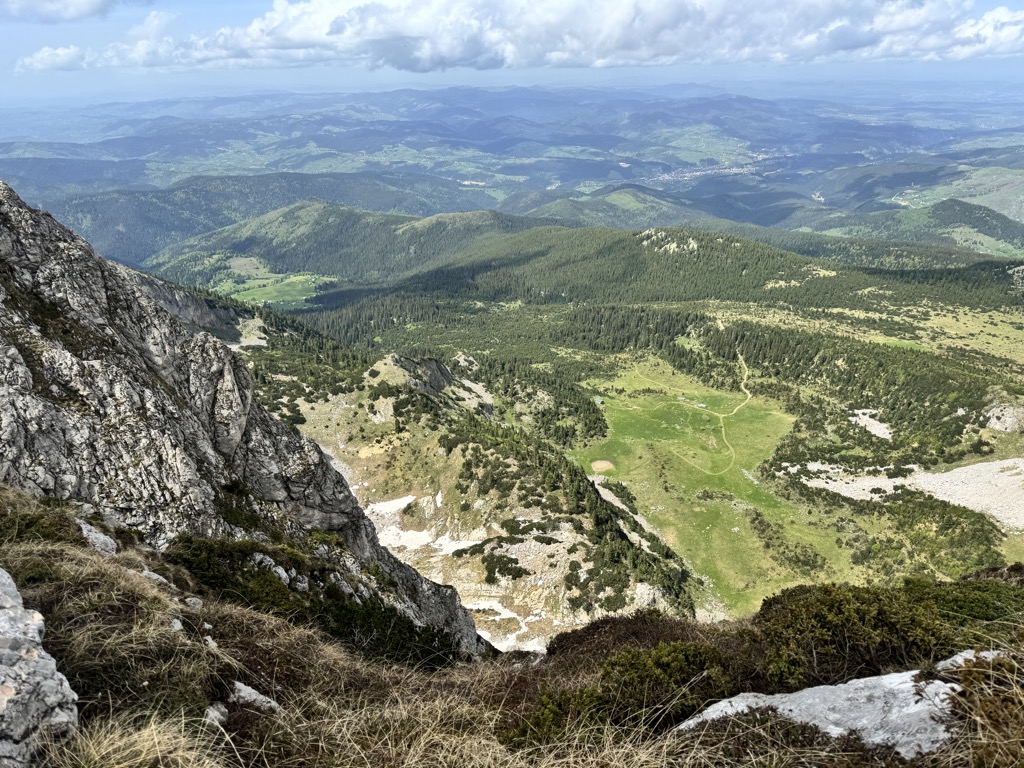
995,487
601,466
606,494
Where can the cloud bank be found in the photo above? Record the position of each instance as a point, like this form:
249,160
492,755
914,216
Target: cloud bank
428,35
54,10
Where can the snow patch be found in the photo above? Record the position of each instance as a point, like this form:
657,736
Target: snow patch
381,508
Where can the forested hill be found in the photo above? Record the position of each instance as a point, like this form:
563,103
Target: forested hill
131,225
490,256
335,241
951,222
865,249
555,265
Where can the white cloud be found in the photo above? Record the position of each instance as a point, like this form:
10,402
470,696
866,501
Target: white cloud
425,35
70,57
54,10
999,31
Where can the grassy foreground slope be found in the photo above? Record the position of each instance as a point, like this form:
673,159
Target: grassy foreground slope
605,695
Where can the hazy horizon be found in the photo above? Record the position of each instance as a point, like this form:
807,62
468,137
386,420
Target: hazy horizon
91,51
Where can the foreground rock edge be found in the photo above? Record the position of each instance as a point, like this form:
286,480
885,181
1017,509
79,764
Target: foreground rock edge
894,710
37,704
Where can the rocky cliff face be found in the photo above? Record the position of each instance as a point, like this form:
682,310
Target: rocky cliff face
110,397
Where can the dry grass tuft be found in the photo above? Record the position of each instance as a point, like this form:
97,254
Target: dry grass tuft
111,630
129,743
989,714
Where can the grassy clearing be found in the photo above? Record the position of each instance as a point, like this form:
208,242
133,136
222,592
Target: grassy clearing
692,464
251,281
289,292
1013,547
942,329
995,333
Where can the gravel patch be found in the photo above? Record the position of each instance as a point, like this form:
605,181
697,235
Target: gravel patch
865,418
993,487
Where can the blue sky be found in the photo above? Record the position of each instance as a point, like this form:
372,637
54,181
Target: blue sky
104,49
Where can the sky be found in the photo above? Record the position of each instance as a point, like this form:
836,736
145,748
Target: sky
94,50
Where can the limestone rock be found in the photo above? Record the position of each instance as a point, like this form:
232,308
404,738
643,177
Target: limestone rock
216,713
889,710
97,539
36,701
111,397
250,698
1006,418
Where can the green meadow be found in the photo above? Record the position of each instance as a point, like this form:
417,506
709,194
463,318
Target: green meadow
690,454
250,280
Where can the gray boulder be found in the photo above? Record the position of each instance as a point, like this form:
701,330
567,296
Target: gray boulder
36,701
97,539
889,710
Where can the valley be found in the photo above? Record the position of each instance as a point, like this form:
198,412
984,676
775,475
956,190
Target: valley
583,352
508,426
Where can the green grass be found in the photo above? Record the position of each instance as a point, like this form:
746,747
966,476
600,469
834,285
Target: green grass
289,292
902,343
998,188
694,473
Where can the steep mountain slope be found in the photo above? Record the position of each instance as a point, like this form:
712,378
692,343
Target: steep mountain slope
464,487
110,400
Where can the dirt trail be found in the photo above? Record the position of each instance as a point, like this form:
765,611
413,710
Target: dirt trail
730,451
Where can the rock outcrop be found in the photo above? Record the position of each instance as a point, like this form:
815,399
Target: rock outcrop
1006,418
36,702
888,710
109,396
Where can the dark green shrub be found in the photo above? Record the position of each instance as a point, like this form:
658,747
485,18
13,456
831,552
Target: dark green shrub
965,603
371,626
663,686
826,634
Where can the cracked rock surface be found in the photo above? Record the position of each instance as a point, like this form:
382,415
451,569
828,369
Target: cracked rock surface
111,396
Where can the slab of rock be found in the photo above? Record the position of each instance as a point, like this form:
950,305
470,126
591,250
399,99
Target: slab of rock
97,539
888,710
36,701
250,698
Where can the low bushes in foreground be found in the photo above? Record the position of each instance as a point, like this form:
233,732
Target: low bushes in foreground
147,664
